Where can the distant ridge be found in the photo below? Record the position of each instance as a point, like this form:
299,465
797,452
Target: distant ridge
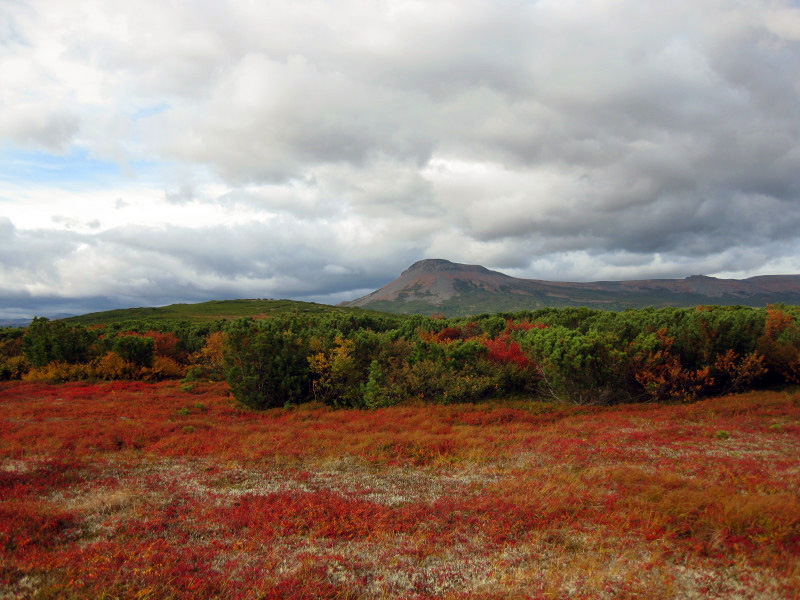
208,311
14,322
453,289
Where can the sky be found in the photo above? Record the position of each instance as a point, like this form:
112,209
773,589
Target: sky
167,151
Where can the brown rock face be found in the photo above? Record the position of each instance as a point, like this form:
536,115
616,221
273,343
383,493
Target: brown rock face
453,288
435,280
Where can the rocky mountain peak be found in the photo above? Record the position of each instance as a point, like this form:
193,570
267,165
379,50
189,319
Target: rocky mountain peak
436,265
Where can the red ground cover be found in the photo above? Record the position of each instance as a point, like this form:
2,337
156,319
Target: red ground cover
133,490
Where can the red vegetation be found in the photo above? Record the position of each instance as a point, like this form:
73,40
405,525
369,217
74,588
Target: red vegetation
505,351
136,490
523,326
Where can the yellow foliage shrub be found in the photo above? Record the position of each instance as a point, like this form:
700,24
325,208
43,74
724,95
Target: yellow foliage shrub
210,359
14,367
163,368
113,366
57,372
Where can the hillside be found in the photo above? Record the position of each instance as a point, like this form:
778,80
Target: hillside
206,311
452,289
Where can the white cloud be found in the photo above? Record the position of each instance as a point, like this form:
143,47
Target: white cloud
313,147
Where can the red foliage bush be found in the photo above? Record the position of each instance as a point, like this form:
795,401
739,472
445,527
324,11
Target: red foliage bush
523,326
171,493
164,344
448,334
505,351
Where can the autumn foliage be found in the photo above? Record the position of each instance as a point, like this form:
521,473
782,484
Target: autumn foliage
150,490
552,454
572,355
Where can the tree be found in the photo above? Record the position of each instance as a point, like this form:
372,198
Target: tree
266,363
47,341
136,349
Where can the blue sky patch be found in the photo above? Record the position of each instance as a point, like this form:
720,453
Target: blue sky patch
75,169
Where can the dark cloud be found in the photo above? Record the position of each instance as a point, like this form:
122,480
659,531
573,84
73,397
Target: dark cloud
29,256
340,142
139,266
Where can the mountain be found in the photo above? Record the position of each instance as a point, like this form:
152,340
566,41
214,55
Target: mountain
452,289
14,322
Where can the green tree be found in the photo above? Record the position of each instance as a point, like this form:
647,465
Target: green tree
136,349
266,363
584,368
47,341
373,389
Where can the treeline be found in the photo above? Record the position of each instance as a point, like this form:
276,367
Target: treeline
144,350
357,360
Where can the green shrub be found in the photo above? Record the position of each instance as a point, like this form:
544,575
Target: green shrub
135,349
48,341
266,363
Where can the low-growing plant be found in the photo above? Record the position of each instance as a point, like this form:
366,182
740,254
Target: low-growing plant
58,372
13,367
112,366
163,368
125,489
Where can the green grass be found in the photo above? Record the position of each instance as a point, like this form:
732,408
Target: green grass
211,311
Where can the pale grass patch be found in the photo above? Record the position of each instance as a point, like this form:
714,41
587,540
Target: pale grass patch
396,567
739,583
22,589
103,509
9,465
751,445
347,476
566,563
107,501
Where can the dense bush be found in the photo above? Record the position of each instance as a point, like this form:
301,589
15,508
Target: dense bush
135,349
267,362
574,355
13,367
48,341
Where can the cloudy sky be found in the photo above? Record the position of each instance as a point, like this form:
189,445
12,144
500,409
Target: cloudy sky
165,151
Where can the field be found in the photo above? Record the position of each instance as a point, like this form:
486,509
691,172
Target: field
134,490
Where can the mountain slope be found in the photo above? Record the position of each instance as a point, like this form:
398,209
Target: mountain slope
207,311
452,289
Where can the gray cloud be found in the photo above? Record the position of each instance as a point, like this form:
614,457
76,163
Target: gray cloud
39,126
606,139
135,266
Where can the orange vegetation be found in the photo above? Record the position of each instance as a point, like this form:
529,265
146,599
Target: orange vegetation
140,490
